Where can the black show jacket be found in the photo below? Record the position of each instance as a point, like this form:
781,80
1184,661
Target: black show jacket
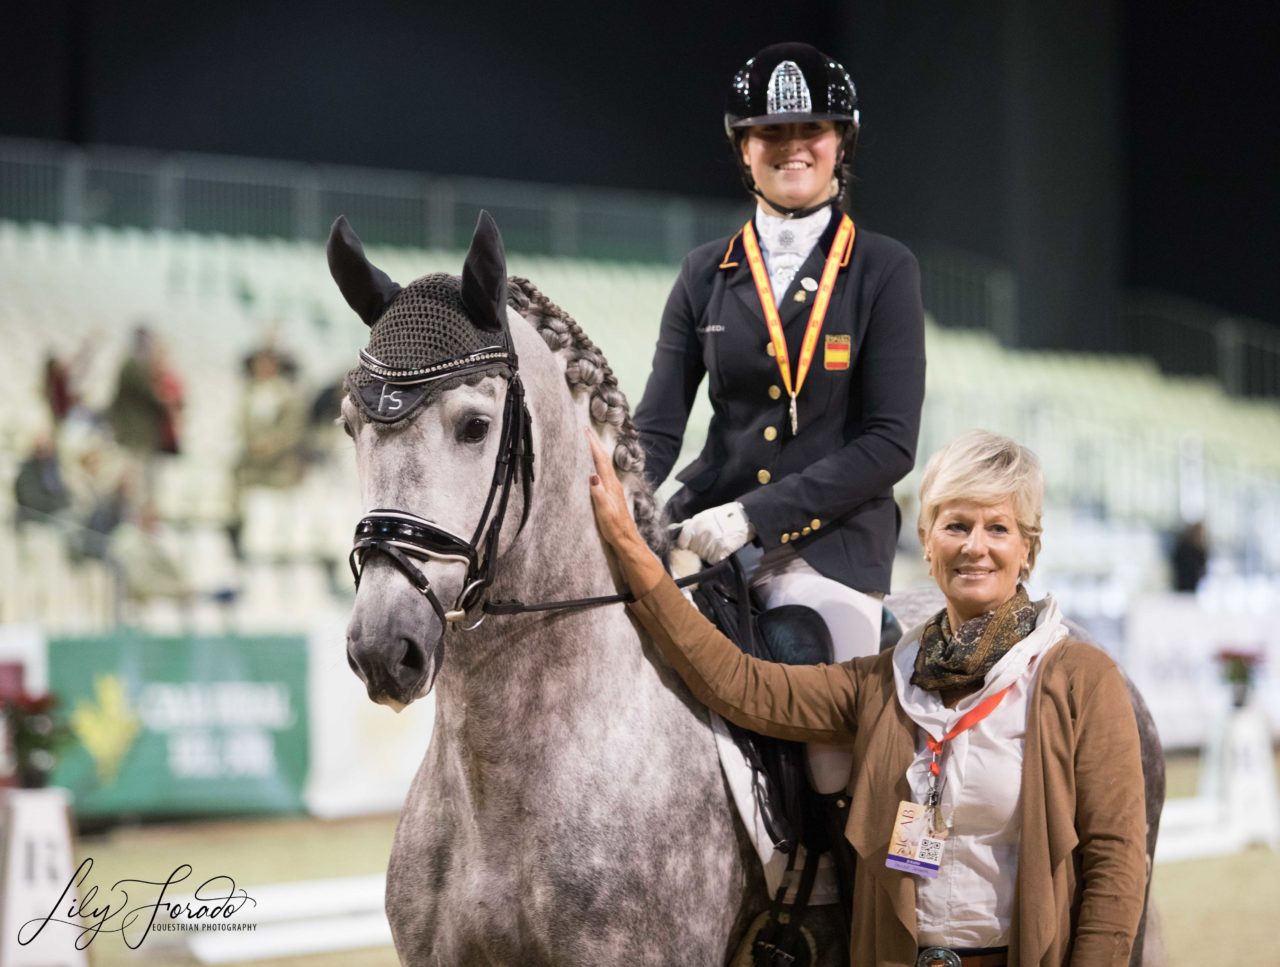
828,490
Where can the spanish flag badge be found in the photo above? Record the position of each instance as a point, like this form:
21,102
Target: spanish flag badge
836,351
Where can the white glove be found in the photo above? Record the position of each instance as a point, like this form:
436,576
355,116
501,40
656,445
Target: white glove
717,532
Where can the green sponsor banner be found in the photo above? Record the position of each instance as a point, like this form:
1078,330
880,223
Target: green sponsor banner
182,725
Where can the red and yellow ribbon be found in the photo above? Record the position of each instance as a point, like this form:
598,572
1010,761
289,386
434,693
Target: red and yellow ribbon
843,240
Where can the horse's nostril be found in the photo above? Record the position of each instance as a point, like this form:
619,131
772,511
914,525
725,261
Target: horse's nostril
413,656
351,661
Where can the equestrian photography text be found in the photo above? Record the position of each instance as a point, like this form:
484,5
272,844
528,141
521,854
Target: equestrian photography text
122,909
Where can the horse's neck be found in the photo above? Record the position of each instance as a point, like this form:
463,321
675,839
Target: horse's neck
521,688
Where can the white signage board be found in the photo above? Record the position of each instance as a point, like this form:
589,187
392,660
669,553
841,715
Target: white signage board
1171,643
37,865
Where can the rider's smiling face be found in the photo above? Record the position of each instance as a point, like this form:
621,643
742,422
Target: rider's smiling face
793,164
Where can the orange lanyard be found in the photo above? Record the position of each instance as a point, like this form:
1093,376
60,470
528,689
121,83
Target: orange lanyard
936,746
818,313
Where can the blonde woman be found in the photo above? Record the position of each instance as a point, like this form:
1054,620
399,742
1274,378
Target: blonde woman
998,809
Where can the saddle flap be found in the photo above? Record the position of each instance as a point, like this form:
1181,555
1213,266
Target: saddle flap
795,634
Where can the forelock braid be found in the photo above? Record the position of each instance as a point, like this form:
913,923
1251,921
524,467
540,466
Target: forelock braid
588,371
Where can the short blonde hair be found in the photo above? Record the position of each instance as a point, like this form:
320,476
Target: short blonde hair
986,468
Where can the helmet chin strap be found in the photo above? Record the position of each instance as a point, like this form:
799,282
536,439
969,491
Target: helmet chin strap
786,212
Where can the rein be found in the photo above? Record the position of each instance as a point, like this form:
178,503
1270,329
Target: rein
626,597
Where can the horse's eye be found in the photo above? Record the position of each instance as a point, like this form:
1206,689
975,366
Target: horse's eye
474,429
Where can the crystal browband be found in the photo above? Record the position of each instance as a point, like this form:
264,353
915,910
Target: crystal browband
448,367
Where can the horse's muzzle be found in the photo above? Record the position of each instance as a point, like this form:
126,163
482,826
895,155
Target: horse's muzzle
395,671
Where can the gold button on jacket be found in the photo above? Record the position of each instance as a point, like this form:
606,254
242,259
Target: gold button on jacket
764,476
775,392
771,433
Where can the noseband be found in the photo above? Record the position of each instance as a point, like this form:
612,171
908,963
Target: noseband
405,537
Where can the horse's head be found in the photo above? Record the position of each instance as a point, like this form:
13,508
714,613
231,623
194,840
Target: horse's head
437,413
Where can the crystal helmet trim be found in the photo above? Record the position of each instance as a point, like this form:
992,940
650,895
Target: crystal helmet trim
787,91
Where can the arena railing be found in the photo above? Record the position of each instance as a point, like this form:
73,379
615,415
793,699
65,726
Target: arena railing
966,291
99,185
1188,337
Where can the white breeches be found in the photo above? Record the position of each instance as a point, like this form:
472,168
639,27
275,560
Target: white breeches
853,618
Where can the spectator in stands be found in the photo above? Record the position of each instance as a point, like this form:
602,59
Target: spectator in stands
813,335
145,564
137,413
322,418
61,383
284,361
1190,557
58,392
39,490
101,500
273,416
172,396
1017,746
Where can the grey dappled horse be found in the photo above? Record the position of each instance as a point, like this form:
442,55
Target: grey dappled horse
570,809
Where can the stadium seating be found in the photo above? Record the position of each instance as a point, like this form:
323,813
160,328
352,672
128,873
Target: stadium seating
1127,451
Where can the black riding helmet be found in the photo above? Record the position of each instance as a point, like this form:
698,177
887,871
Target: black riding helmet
786,84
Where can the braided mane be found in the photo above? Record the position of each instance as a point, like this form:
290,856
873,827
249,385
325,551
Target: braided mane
587,371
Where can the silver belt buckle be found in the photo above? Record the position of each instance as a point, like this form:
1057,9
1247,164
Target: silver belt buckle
938,957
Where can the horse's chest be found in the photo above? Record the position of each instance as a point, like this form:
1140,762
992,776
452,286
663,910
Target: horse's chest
448,900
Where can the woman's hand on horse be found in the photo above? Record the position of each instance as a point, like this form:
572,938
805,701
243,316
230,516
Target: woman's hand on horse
613,515
640,566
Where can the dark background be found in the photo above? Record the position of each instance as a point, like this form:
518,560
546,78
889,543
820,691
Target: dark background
1091,146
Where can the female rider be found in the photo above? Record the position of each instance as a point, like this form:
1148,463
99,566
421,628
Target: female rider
812,334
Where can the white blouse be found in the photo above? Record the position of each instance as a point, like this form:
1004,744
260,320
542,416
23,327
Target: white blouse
785,243
970,903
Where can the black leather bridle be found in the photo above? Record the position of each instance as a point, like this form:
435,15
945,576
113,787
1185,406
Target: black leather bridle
405,537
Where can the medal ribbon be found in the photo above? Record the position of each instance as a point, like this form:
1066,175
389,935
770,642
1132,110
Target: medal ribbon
936,746
755,260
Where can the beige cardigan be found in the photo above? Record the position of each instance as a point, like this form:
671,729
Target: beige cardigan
1082,856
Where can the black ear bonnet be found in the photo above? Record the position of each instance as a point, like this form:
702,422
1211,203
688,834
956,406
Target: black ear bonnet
421,335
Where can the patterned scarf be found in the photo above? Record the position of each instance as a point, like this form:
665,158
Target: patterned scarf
957,660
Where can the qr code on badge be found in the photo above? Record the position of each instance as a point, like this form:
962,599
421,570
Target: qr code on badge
929,850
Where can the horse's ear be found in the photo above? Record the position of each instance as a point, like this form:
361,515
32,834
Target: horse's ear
484,277
367,289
